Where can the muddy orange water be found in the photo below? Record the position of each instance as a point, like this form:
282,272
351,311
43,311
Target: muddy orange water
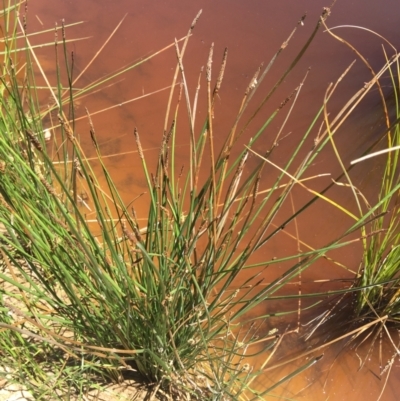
252,31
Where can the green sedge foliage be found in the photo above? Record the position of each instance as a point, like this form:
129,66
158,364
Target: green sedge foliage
155,298
379,272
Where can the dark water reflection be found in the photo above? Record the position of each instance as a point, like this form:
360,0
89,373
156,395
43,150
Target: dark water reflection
252,31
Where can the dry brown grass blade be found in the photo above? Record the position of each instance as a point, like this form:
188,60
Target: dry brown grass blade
252,85
365,61
356,332
186,40
210,116
124,103
297,181
196,96
365,29
193,158
99,51
265,191
324,15
231,194
270,355
29,334
328,94
374,154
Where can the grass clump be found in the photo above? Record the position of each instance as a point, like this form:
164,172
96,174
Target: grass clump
378,277
371,304
379,272
158,297
123,297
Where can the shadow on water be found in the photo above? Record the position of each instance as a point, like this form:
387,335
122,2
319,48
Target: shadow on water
362,365
252,34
